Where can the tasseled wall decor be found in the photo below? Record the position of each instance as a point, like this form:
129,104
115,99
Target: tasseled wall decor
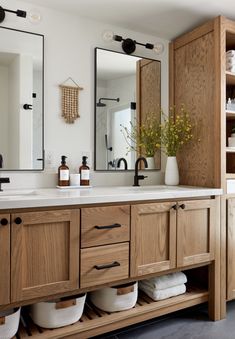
70,101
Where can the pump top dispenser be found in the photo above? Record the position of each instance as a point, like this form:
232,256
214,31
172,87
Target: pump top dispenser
63,172
84,171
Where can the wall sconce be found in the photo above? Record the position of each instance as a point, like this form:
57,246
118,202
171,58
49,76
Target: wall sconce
129,45
18,12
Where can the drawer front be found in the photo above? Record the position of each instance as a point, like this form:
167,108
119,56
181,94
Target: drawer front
105,225
103,264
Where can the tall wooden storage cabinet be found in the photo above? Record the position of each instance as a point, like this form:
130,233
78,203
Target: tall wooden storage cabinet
199,80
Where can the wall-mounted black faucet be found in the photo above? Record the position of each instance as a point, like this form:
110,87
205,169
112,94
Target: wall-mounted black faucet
119,163
3,181
138,177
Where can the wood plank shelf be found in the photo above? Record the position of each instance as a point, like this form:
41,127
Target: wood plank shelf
230,114
230,78
94,321
230,176
230,149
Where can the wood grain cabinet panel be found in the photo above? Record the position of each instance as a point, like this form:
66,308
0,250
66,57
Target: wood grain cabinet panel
105,225
104,264
5,259
231,249
45,253
153,238
195,232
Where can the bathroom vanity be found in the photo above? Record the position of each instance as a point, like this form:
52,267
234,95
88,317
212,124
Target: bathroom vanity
56,243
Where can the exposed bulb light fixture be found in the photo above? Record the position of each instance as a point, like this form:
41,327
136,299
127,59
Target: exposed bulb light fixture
18,12
129,45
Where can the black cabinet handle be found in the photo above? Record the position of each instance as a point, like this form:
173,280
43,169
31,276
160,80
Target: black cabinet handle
4,222
107,227
175,207
18,221
182,206
102,267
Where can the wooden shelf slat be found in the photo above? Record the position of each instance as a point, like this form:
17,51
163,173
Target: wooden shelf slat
230,149
147,309
230,175
230,114
230,78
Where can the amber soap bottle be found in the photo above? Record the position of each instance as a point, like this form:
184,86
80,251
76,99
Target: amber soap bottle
63,173
84,171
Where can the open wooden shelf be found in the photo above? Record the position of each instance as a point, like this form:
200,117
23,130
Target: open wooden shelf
230,114
230,78
230,176
230,149
94,321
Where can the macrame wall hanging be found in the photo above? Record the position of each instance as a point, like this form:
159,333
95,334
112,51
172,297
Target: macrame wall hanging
70,100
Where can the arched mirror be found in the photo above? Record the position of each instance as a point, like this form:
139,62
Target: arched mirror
21,100
127,89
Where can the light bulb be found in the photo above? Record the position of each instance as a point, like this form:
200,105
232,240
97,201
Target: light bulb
158,48
34,16
107,36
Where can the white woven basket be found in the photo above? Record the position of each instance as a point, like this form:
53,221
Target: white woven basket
59,313
9,323
117,298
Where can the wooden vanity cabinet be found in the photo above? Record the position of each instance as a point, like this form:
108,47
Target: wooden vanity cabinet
5,259
44,253
170,235
153,238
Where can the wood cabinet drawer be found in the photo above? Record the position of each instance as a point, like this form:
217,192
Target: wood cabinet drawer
104,225
104,264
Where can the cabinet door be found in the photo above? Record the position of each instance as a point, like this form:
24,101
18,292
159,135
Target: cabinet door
231,249
195,232
5,259
153,238
45,253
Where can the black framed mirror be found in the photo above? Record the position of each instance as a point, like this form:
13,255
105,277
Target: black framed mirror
21,100
127,89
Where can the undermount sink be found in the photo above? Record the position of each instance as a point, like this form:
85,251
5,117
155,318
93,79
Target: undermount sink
17,193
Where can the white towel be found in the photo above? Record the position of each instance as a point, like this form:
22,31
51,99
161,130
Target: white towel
231,52
167,280
163,294
230,62
230,68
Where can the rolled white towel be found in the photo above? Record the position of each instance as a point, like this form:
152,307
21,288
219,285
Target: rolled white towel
167,280
230,62
163,294
231,52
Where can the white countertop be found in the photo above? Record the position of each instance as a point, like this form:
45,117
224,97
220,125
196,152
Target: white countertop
10,199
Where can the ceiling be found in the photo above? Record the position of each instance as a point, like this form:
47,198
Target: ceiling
162,18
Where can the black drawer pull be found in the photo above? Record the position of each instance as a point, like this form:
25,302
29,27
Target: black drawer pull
18,221
107,227
175,207
102,267
182,206
4,222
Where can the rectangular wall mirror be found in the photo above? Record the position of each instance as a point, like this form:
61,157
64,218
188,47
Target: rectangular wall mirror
127,89
21,100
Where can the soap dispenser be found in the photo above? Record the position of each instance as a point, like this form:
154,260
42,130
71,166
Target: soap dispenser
84,171
63,173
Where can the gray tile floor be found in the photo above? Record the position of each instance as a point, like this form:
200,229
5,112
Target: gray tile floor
187,324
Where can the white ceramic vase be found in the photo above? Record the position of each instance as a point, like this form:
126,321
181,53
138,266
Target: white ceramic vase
172,172
151,162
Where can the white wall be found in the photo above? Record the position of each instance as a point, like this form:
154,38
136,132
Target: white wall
4,112
69,51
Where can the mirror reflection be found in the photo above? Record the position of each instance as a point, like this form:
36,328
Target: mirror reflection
127,90
21,100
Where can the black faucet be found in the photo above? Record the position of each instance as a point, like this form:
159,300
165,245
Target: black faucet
138,177
119,163
1,161
3,181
